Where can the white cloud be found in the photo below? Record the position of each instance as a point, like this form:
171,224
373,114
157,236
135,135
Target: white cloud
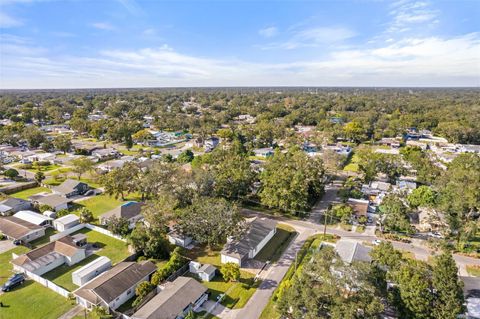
407,14
102,26
312,37
268,32
7,21
431,61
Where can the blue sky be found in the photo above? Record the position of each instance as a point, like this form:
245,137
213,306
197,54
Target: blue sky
133,43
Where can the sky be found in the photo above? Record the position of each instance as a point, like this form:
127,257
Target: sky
177,43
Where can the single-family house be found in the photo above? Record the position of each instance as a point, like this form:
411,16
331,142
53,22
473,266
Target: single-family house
13,205
131,211
175,237
91,270
211,143
34,218
19,229
406,185
350,251
205,272
103,154
113,287
50,256
263,152
430,220
66,222
111,165
375,188
359,206
259,232
71,187
175,300
56,202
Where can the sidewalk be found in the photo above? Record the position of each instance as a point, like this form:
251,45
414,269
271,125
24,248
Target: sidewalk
72,312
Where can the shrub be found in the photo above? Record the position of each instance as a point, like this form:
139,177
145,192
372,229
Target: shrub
175,262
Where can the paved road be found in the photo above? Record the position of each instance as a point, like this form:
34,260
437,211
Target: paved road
273,277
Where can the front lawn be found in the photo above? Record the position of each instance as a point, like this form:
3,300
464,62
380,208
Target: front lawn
112,248
26,193
45,168
30,300
274,249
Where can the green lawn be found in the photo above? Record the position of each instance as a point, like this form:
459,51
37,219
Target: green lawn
46,168
26,193
30,300
62,275
352,165
240,291
112,248
99,205
473,270
274,249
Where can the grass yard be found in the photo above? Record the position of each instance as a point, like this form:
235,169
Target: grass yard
45,239
31,300
239,292
473,270
274,249
112,248
26,193
352,165
46,168
360,229
99,204
62,275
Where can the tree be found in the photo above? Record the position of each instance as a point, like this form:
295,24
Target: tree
34,137
60,213
118,226
122,180
11,173
449,298
86,216
158,212
210,220
81,166
291,181
230,272
63,143
98,312
394,214
142,290
342,212
422,196
185,157
39,177
384,255
151,242
142,136
355,132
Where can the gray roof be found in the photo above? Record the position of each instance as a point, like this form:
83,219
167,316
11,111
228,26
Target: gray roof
68,186
52,200
172,300
13,201
350,251
112,283
258,229
16,228
127,210
208,269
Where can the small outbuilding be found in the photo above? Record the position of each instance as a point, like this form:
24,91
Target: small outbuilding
91,270
66,222
178,239
205,272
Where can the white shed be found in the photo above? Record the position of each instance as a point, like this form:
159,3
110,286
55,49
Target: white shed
66,222
91,270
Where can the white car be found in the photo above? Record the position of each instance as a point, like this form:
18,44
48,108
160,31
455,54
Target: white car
376,242
435,235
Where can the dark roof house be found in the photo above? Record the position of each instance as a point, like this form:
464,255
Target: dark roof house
130,211
70,188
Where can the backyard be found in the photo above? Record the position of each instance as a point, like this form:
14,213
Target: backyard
274,249
352,165
98,205
26,193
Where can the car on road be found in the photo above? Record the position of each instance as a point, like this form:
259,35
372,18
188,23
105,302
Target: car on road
12,282
435,235
376,242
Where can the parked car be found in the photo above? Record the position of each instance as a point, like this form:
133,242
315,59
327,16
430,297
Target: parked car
435,235
376,242
90,193
13,281
18,242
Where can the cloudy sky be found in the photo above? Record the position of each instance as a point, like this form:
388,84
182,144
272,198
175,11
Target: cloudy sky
133,43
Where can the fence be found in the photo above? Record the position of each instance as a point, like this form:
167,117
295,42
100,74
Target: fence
17,187
104,231
89,226
47,283
67,232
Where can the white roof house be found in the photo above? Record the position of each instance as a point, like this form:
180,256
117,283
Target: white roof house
91,270
34,218
66,222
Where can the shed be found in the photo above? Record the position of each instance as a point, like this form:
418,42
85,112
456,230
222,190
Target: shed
91,270
66,222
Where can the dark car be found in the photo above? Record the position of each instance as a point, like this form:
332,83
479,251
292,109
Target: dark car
14,281
18,242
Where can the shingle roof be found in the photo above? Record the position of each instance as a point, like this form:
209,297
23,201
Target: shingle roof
127,210
258,229
32,217
350,251
15,227
68,186
172,300
12,201
112,283
52,200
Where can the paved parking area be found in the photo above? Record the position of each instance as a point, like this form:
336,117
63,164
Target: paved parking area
6,245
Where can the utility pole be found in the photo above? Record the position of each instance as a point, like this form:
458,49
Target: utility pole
325,224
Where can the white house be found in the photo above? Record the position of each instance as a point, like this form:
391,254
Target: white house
205,272
56,202
50,256
178,239
66,222
91,270
175,300
260,231
34,218
114,287
19,229
13,205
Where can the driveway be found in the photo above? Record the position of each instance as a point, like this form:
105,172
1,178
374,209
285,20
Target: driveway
6,245
330,197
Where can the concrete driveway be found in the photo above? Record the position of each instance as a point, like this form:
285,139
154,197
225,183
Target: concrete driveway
6,245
